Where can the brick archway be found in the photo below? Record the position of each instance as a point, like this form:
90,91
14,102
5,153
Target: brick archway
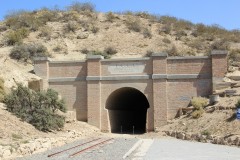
127,109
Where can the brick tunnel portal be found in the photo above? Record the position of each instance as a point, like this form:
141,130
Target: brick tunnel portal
127,109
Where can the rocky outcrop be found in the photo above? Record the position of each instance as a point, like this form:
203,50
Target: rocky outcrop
37,145
228,140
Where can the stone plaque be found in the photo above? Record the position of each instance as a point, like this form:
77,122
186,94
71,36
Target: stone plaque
126,68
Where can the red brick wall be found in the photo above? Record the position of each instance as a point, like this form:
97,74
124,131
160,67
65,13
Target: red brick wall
189,66
71,69
180,92
219,65
75,96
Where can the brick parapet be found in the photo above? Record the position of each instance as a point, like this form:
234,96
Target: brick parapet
94,90
41,68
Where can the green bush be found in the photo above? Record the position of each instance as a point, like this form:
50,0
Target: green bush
17,36
28,51
2,90
36,108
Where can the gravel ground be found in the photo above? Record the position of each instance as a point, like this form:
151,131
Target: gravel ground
114,149
147,149
173,149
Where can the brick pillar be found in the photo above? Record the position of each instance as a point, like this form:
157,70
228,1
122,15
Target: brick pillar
94,89
219,66
41,69
159,61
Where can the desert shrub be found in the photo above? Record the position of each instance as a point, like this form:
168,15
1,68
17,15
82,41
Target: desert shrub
180,34
145,15
168,20
81,7
28,51
172,51
45,32
220,45
166,40
206,133
85,51
94,29
197,113
45,15
16,37
104,54
70,16
110,50
57,48
148,53
36,108
197,44
71,26
238,104
20,19
199,102
128,13
234,55
110,17
133,24
164,29
181,25
2,90
3,27
147,33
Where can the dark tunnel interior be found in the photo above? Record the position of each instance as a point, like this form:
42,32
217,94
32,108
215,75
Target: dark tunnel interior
127,108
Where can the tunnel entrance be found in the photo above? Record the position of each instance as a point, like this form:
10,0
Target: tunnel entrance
127,109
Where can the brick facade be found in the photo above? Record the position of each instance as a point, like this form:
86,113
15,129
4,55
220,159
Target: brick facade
167,82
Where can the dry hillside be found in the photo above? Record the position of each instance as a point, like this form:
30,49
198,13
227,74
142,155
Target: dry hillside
79,30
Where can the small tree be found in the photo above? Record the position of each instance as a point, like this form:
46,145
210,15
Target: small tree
36,108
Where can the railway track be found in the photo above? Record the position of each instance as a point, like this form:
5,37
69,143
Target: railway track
98,142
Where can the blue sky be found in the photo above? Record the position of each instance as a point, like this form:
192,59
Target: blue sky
225,13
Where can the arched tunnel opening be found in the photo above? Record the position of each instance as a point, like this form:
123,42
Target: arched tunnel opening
127,109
